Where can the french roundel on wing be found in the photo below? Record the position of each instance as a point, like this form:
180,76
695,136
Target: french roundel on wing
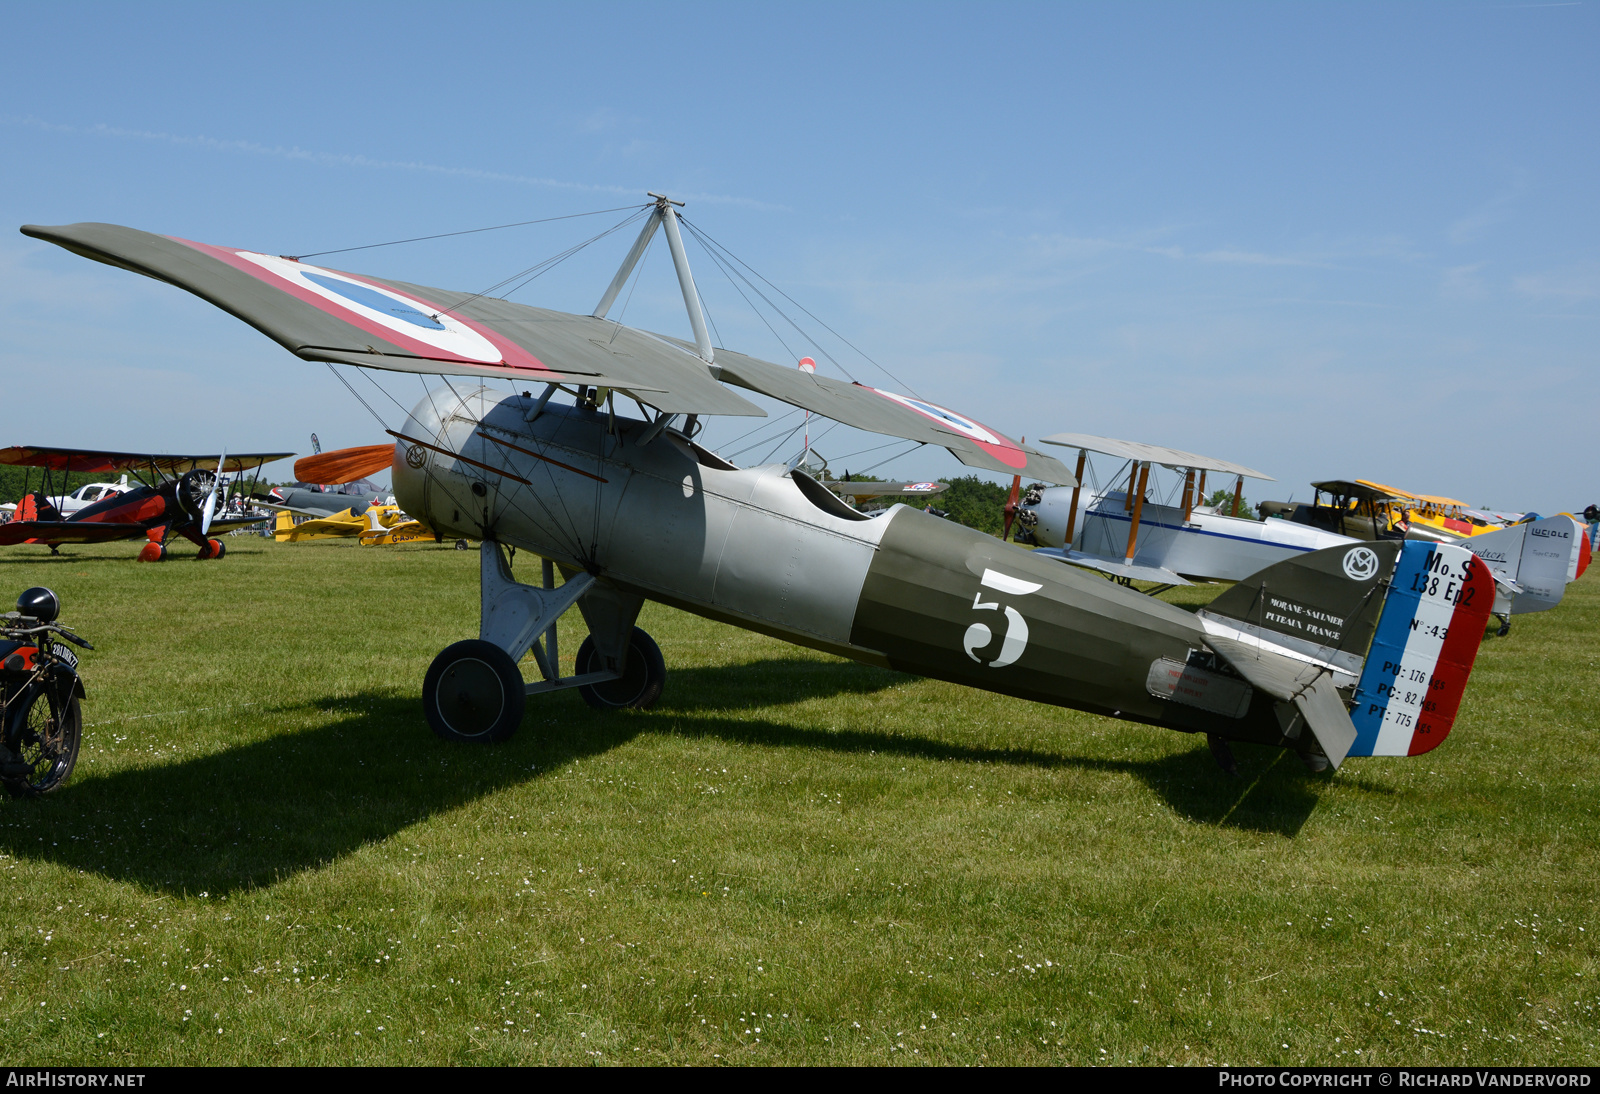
1004,450
393,312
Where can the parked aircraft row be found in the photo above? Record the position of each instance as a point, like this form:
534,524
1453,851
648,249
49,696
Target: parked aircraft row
1124,531
1329,645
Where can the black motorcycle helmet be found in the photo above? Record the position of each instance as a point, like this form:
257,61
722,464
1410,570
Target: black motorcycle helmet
39,603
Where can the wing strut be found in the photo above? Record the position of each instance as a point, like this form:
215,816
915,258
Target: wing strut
1143,470
652,222
680,259
664,214
1077,488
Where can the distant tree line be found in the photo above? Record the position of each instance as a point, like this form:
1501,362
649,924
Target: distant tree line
12,480
970,500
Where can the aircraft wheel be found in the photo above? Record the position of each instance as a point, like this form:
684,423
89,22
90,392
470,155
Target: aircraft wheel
152,552
641,682
44,732
214,548
473,692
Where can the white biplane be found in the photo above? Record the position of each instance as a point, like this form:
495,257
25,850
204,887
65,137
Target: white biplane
1125,533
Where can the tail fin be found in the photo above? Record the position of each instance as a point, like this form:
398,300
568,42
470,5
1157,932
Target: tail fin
1539,556
36,506
1391,627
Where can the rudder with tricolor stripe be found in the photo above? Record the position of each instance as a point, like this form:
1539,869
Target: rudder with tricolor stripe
1427,637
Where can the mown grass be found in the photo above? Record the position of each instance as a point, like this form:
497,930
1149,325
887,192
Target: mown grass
265,857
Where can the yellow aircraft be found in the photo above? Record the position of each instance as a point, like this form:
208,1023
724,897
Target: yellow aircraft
1446,517
374,525
377,525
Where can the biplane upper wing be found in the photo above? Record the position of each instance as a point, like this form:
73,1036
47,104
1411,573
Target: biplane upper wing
877,411
94,462
1152,453
322,314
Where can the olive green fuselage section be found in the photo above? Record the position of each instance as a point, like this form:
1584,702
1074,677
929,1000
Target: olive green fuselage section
1089,643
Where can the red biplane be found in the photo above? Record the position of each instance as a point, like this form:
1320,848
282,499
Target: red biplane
176,494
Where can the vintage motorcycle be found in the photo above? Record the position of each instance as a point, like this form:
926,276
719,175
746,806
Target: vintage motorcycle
41,722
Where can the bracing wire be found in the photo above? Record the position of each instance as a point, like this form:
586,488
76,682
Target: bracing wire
874,448
729,275
467,232
802,307
764,424
541,268
914,446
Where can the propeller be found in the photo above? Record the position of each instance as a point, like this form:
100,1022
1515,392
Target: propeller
1011,506
344,464
211,499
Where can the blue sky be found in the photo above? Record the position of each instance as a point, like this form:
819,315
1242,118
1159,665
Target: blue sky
1325,240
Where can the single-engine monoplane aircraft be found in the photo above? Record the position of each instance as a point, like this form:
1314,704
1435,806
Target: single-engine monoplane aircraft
176,494
859,491
1354,650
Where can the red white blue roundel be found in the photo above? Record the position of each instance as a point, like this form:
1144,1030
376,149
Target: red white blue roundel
417,326
1006,451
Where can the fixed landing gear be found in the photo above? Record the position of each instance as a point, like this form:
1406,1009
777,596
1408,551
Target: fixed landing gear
213,548
474,690
153,552
643,676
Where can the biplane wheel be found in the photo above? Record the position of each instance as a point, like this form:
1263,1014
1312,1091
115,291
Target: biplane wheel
474,692
214,548
44,730
152,552
641,681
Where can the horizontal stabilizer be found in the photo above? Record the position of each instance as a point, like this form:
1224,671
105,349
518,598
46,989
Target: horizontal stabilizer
1535,559
1115,569
1309,686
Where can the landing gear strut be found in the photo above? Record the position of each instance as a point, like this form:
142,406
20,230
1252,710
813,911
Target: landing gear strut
474,690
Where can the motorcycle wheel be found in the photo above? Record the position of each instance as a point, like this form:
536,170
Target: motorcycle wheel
44,727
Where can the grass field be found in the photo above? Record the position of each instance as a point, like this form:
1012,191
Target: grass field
265,857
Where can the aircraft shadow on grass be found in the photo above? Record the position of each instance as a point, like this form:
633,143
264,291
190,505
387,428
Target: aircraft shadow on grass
260,813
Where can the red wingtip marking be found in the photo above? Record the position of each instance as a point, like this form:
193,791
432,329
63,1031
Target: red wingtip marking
1584,551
